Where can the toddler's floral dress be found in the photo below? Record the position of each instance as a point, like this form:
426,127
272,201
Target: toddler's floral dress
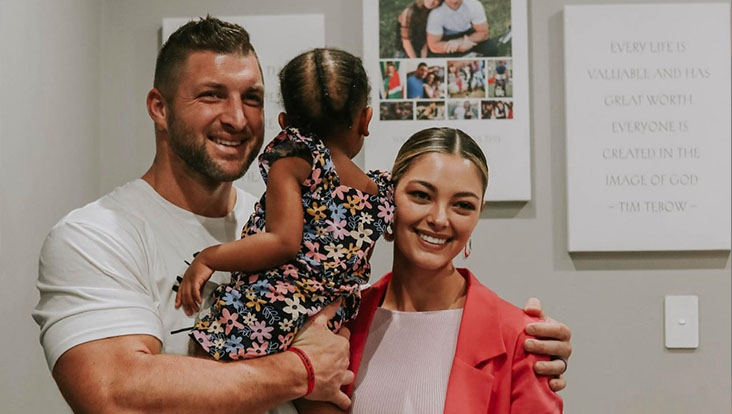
258,314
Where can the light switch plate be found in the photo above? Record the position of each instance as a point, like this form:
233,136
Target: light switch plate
682,321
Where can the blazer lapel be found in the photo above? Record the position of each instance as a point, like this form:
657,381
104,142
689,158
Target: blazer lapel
479,340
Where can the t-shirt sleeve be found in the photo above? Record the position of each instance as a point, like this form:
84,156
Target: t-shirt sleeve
92,286
434,23
477,12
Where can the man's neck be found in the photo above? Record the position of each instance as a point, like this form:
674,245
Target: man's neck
190,191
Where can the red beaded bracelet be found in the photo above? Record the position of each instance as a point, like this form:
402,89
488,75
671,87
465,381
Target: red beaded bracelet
308,367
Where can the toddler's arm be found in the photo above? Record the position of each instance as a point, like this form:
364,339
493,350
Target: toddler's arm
280,242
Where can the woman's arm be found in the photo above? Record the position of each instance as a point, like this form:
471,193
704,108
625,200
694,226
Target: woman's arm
266,250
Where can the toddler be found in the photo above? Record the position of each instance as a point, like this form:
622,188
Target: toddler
311,235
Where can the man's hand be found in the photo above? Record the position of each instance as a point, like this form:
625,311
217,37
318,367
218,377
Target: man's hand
553,339
189,291
329,354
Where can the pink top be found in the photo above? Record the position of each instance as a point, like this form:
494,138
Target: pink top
399,371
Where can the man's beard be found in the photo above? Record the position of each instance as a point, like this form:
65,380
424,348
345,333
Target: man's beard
183,143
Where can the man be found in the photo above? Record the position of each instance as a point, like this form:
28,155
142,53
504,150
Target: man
112,336
458,28
108,270
415,82
500,78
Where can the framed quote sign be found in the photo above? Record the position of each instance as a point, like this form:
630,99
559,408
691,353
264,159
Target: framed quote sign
648,127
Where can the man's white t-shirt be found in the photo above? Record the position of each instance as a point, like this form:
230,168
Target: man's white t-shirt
109,268
446,21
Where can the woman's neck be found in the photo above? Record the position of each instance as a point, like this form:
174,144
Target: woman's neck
413,289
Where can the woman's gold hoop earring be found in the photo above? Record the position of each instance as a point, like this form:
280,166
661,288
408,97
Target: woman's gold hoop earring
468,248
388,233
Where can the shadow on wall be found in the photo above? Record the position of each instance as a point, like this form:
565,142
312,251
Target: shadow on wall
650,260
503,209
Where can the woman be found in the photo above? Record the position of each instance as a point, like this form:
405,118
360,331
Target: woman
432,86
412,29
429,337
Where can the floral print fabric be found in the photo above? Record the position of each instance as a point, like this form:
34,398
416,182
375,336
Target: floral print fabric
260,313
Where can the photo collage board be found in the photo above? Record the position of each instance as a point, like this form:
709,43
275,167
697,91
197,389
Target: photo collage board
452,63
439,89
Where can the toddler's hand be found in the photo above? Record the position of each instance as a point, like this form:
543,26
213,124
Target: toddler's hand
189,291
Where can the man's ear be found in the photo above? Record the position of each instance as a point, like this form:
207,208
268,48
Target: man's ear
365,120
157,108
282,120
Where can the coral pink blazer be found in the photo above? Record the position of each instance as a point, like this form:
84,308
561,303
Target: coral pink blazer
491,372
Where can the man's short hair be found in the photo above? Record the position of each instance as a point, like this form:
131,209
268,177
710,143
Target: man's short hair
204,34
421,64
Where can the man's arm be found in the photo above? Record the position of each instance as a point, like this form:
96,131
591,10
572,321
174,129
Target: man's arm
468,42
129,374
553,339
437,45
481,33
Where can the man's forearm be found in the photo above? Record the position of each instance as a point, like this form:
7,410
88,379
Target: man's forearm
250,386
478,37
436,44
481,33
98,377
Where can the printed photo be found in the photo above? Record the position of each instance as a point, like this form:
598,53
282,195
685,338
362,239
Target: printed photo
461,110
416,29
430,110
396,111
425,81
466,78
496,110
392,85
500,78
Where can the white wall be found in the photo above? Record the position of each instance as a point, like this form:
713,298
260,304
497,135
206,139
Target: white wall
49,164
613,302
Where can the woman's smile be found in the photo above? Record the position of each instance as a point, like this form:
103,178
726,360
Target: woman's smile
432,239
